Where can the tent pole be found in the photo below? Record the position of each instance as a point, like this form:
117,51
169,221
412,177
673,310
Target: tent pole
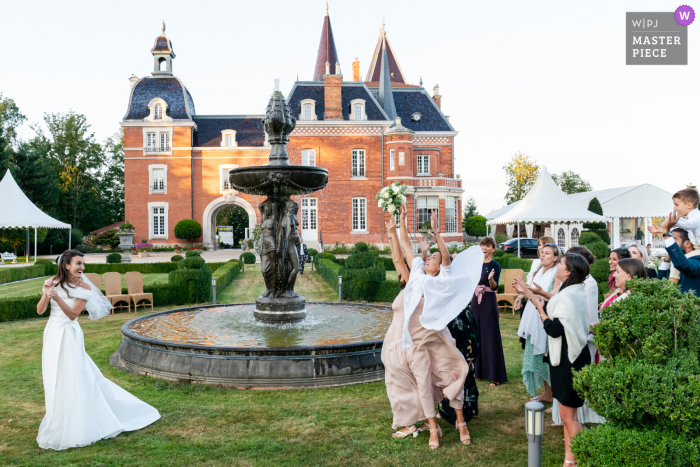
69,236
518,239
35,244
26,247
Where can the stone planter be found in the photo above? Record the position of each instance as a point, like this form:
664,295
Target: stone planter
126,244
144,254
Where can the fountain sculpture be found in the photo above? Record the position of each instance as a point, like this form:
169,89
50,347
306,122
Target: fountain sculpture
279,244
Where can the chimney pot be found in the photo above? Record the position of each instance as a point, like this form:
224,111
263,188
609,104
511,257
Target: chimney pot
436,90
356,70
133,80
337,68
437,98
328,68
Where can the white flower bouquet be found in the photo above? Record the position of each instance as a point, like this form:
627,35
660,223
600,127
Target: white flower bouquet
392,197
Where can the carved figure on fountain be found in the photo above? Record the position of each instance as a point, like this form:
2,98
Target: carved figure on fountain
290,248
268,247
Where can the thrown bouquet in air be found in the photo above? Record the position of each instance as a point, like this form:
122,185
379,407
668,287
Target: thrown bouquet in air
392,197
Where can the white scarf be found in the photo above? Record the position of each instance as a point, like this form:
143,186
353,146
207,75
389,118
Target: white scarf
570,306
446,294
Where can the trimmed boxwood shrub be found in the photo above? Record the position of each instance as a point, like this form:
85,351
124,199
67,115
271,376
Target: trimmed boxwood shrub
388,263
329,271
248,257
388,291
176,258
600,270
143,268
188,229
195,262
519,263
360,260
498,253
50,268
311,251
191,281
359,247
114,258
22,273
587,237
324,255
503,260
603,288
83,248
191,253
362,274
226,273
599,249
648,387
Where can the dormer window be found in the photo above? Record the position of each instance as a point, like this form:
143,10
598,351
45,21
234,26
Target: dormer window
158,112
308,110
357,110
416,117
228,139
157,108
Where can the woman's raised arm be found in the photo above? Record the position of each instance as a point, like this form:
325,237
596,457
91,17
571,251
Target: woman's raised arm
396,253
446,260
405,241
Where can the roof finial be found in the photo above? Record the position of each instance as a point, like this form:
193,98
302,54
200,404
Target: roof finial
277,84
326,7
421,81
383,19
162,27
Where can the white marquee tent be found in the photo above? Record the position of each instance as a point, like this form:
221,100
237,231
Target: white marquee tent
545,203
18,212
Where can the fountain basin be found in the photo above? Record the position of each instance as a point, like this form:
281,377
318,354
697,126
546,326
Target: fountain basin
281,180
336,345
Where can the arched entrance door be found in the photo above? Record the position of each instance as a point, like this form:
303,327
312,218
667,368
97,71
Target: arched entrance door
231,223
212,211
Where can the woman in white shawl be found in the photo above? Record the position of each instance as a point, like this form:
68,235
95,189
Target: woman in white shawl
82,406
435,294
566,324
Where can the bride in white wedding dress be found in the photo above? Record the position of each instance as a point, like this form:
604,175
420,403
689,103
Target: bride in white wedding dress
82,406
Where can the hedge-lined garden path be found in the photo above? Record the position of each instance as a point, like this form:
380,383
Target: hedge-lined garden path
211,426
248,286
33,286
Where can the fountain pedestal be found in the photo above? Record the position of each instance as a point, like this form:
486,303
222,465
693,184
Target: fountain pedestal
280,243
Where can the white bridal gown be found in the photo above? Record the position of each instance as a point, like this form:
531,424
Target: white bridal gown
82,406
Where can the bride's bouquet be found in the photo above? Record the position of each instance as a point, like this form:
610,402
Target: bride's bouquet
392,197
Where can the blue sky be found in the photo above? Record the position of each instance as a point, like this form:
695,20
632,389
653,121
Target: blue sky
545,78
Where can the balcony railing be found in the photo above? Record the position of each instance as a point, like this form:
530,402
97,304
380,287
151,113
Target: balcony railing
153,149
158,187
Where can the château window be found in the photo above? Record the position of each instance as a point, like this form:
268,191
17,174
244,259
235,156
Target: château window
158,112
358,162
424,206
158,220
359,214
224,181
228,138
402,159
451,214
357,110
157,141
308,110
308,157
157,177
391,159
423,164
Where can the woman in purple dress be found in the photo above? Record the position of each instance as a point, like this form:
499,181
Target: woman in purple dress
490,363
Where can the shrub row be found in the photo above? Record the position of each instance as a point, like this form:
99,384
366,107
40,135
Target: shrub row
329,271
22,273
388,291
510,261
226,273
388,263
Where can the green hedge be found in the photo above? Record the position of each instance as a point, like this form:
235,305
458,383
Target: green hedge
22,273
226,273
324,255
599,249
503,259
329,271
143,268
498,253
388,263
20,308
603,288
388,291
519,263
248,257
114,258
600,270
587,237
50,268
190,285
360,260
311,252
362,284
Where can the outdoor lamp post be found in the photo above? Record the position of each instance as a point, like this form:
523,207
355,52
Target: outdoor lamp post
242,264
213,288
340,289
312,263
534,426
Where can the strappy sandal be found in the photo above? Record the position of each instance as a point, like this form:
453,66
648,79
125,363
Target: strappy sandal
466,439
425,426
570,462
435,444
412,430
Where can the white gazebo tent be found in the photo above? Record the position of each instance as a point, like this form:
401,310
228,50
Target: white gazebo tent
545,203
18,212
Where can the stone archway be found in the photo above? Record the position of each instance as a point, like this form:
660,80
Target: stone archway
209,218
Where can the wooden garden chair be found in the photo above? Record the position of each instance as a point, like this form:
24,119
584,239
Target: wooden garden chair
95,279
113,291
510,294
134,285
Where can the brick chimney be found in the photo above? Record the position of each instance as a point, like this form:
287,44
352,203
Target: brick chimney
436,95
356,70
333,90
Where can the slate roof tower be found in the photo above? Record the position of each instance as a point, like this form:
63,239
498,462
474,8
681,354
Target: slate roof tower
375,66
326,50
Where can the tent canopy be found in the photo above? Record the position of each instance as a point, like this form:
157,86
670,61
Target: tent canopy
546,203
17,211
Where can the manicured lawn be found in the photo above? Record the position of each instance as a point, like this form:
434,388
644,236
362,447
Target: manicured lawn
209,426
33,286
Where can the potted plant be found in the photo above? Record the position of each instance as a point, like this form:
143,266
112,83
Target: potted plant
126,237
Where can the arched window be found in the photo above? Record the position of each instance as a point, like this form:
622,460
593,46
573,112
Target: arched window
574,237
162,65
158,112
561,238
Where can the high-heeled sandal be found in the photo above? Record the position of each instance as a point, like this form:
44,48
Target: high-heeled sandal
464,438
412,430
435,444
424,427
570,462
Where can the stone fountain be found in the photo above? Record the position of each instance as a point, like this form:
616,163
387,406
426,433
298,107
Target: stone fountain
280,244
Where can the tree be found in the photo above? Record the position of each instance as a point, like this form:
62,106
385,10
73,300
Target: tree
691,185
112,182
570,182
469,211
521,174
15,237
476,226
10,119
595,207
188,229
235,216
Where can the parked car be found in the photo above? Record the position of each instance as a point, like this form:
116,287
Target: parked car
528,247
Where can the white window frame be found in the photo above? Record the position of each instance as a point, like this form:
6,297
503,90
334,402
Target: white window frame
353,114
152,111
151,179
312,103
309,204
358,161
226,134
402,158
392,161
222,178
359,207
451,214
575,234
160,134
430,203
151,207
423,168
308,157
561,238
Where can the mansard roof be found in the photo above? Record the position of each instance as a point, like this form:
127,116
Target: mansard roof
351,90
375,64
326,50
408,101
170,89
248,128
